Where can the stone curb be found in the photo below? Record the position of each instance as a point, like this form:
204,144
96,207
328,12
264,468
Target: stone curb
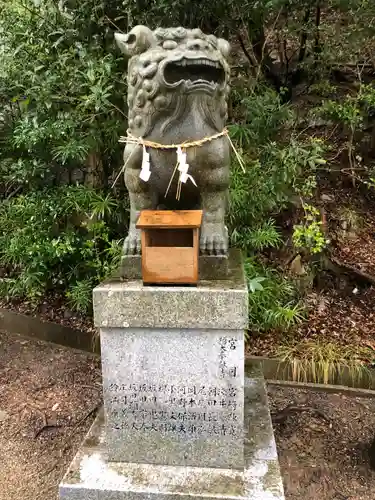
34,327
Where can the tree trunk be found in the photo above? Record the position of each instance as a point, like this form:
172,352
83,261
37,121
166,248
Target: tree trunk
94,175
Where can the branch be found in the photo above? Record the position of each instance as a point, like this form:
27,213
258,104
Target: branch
115,25
265,44
38,15
351,158
44,428
285,47
118,109
304,35
13,193
93,411
317,26
283,414
333,263
279,50
249,57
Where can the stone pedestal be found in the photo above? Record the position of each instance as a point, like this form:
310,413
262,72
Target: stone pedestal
173,371
92,476
174,420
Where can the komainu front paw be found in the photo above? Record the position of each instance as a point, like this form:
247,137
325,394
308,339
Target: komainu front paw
214,239
132,244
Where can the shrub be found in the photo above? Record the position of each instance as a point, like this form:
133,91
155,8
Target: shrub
324,362
274,302
353,116
63,100
309,234
57,240
279,169
62,94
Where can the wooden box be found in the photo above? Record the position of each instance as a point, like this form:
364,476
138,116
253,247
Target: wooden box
170,246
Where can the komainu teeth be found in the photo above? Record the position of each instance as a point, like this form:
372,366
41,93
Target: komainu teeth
200,62
194,62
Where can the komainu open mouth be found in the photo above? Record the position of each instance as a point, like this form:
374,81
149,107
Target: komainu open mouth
194,70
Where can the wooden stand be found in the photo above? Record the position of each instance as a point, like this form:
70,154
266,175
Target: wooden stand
170,246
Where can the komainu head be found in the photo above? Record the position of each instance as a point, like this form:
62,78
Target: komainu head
172,61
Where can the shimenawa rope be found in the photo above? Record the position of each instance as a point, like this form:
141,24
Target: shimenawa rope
181,164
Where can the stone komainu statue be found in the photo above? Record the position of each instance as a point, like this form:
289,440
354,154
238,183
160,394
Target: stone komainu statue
177,92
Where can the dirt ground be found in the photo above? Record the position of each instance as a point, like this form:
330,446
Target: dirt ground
324,451
340,304
42,385
47,393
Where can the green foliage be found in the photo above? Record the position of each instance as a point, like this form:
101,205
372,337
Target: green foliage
349,217
352,38
259,117
61,89
212,16
273,300
258,237
353,111
62,92
323,88
367,98
56,239
324,362
79,295
346,112
63,107
278,168
309,235
352,115
282,40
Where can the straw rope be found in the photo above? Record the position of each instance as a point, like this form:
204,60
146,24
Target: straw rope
131,139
